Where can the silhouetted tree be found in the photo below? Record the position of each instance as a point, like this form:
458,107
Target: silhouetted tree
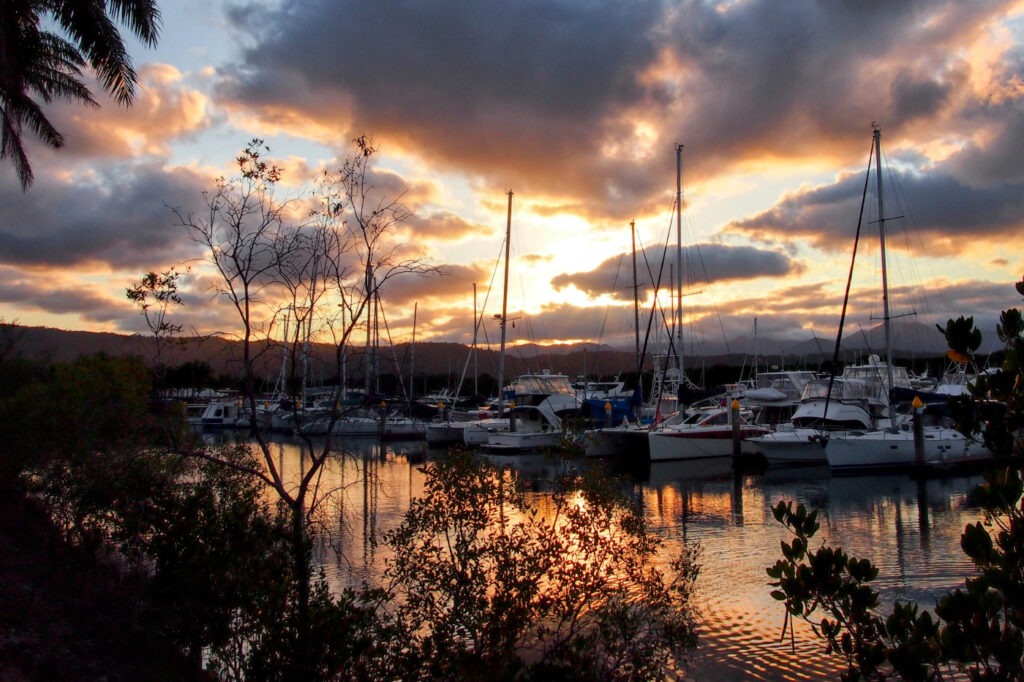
155,294
325,273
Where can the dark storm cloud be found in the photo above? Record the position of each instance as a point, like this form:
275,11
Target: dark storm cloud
519,92
706,263
536,94
794,76
941,210
457,58
117,215
999,161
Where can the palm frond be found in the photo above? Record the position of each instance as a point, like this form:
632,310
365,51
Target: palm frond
97,35
141,16
12,147
37,63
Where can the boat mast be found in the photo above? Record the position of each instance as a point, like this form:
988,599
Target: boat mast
412,354
344,356
476,327
679,260
636,303
504,311
885,275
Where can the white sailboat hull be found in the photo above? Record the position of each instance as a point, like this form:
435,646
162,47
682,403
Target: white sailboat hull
883,449
627,441
512,442
792,446
446,433
697,443
478,432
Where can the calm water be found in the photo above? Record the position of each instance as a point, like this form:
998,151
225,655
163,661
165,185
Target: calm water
910,529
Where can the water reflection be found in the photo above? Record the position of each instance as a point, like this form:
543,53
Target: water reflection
909,528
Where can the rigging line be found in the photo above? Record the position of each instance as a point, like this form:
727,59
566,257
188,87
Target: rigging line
399,367
671,351
849,280
473,351
533,339
714,304
480,320
655,288
661,271
655,308
615,286
656,284
913,244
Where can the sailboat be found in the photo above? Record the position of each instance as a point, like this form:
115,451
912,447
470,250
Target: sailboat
893,445
539,401
478,432
448,426
628,435
826,406
705,433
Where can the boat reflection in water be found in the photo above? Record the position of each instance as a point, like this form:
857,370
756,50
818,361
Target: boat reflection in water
909,528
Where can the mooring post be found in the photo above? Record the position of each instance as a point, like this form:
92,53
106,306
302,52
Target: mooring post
918,431
734,416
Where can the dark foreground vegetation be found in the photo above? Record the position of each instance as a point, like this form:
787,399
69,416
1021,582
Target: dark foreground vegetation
213,545
976,632
67,616
131,551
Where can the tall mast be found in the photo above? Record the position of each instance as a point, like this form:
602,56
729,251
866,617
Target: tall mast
476,327
679,258
504,311
756,349
369,330
344,355
636,302
885,274
412,353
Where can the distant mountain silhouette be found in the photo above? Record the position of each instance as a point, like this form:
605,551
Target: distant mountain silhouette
910,339
433,361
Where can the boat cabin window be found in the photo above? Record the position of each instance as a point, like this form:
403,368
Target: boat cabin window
703,418
543,384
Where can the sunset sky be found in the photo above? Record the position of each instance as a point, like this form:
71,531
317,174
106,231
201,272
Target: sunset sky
576,107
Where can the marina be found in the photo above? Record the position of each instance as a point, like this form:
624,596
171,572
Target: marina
278,277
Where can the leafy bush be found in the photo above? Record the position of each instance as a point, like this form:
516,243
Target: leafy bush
977,630
487,585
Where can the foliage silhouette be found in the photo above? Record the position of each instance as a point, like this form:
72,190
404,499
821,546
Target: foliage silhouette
977,631
37,62
489,584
